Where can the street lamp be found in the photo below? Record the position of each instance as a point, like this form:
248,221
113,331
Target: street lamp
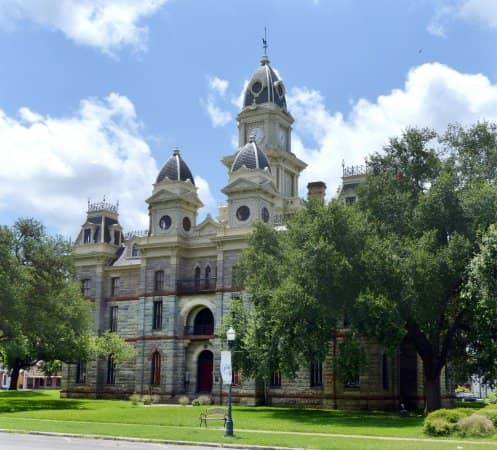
230,337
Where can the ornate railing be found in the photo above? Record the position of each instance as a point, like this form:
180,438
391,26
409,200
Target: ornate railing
206,329
192,286
103,205
137,233
352,171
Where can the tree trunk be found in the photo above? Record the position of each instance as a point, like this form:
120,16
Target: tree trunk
432,392
14,376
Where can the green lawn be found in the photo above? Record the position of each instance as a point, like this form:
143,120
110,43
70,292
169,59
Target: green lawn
45,411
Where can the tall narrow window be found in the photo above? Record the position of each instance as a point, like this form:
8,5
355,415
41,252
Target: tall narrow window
155,379
157,317
81,372
134,250
207,277
197,278
275,380
111,370
316,373
115,286
87,236
113,318
384,371
159,280
117,235
85,287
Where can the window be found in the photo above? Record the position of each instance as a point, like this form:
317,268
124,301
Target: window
117,235
113,318
87,236
157,318
85,287
111,370
349,200
159,280
275,380
81,372
134,250
115,286
316,373
207,277
155,379
384,371
236,377
197,278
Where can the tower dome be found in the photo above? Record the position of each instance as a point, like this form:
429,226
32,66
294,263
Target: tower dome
175,169
265,86
250,156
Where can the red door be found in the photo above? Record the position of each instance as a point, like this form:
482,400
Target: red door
204,383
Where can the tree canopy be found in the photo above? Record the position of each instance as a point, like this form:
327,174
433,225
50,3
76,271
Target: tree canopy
43,315
398,262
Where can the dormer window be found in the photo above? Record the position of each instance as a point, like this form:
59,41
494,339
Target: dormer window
87,236
117,236
134,251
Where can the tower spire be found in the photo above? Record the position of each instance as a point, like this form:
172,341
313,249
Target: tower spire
264,42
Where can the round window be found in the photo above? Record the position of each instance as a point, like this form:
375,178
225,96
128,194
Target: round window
257,87
265,214
243,213
165,222
186,224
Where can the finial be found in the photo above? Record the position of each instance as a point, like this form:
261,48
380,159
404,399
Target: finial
176,151
264,41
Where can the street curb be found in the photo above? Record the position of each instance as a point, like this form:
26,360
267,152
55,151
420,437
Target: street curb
143,440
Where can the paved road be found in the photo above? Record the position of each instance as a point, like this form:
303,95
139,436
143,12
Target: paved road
15,441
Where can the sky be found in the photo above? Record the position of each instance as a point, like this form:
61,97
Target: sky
96,94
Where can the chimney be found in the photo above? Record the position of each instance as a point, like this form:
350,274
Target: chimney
316,189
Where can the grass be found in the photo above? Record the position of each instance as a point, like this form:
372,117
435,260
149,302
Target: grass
45,411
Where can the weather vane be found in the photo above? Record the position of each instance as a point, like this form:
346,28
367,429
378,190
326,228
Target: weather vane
264,42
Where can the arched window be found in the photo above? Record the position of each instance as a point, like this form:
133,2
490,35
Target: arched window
384,371
134,250
81,372
197,277
208,277
155,378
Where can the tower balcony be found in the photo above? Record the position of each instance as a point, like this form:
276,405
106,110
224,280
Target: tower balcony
196,286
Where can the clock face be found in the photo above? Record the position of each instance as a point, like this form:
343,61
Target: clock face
258,134
165,222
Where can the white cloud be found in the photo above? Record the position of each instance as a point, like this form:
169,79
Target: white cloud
206,197
479,11
55,164
218,85
217,88
105,24
433,95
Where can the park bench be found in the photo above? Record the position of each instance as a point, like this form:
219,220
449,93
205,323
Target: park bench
214,413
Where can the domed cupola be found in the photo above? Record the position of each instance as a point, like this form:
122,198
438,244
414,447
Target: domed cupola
265,86
250,156
175,169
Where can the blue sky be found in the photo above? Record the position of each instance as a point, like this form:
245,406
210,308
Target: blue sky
94,94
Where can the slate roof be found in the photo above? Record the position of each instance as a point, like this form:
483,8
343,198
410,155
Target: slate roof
251,156
175,169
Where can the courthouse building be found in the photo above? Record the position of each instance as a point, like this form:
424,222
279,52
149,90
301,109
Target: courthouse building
166,290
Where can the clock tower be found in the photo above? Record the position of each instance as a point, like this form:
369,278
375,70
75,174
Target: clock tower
265,120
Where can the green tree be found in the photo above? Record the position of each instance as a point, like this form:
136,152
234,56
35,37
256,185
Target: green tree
426,206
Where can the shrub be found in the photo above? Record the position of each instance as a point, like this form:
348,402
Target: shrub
475,425
491,398
204,400
135,399
149,399
183,400
444,421
439,427
490,413
195,402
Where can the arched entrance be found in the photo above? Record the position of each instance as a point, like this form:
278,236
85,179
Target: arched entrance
204,371
204,322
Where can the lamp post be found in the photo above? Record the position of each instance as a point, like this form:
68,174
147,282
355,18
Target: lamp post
230,337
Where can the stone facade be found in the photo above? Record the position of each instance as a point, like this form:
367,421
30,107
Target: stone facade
167,289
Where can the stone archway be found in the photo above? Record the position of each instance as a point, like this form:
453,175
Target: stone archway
204,371
203,323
